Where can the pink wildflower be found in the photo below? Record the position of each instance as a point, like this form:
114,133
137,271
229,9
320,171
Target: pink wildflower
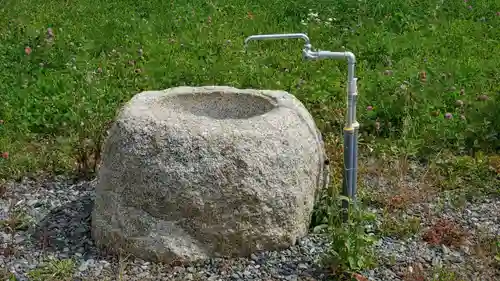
423,76
27,50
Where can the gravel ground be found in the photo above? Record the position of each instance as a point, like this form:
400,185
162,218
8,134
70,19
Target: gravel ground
60,214
55,223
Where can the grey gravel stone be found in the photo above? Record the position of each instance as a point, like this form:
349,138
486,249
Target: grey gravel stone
60,228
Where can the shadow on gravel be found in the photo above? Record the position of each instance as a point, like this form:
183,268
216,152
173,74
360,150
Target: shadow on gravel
67,228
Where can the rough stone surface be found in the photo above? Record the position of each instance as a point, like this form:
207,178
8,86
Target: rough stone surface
192,173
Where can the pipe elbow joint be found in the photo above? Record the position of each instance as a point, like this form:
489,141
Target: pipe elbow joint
351,58
307,54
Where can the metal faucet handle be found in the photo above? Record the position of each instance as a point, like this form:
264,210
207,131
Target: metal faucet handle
308,54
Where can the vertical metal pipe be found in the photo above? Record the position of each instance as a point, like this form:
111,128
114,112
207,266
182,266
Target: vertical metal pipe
351,92
351,126
354,164
346,179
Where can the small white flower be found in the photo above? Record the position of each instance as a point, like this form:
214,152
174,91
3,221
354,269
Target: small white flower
313,15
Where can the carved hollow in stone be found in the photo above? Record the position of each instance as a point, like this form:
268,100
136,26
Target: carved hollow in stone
190,173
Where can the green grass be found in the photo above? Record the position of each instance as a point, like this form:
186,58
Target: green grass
65,92
53,270
398,226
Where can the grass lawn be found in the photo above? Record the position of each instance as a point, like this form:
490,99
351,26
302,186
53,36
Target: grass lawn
102,53
429,73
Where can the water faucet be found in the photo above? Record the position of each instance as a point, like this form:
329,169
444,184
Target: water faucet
352,126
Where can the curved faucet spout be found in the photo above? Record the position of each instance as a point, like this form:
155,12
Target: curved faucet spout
280,36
